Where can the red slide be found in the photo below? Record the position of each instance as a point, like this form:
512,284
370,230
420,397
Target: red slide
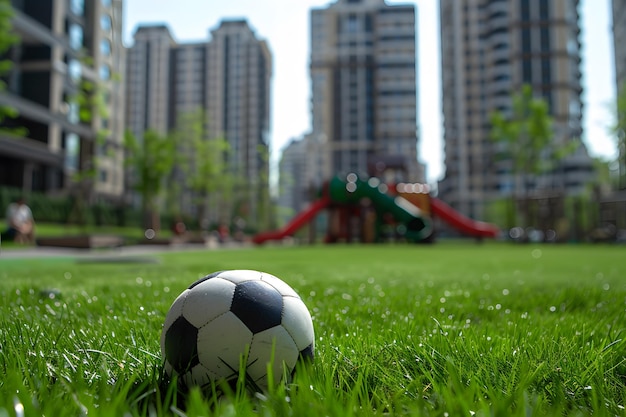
297,222
460,222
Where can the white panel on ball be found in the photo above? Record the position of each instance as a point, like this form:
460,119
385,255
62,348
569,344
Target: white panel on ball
199,376
297,319
280,285
221,344
208,300
268,344
240,275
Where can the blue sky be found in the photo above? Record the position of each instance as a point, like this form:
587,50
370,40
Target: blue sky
284,24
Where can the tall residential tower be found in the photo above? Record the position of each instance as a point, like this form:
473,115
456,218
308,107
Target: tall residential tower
490,48
227,78
619,48
363,79
63,47
619,39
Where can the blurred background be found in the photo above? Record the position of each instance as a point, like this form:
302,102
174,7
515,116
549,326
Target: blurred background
231,118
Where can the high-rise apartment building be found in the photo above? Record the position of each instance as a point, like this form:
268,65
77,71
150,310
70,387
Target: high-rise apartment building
239,71
64,46
364,92
292,189
619,48
148,81
490,49
619,39
227,77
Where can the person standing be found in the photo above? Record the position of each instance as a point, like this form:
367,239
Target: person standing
20,223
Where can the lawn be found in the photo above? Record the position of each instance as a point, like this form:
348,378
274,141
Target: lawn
449,329
128,232
44,230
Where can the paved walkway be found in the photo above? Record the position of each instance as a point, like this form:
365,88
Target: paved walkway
105,253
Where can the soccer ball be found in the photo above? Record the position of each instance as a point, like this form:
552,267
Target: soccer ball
230,319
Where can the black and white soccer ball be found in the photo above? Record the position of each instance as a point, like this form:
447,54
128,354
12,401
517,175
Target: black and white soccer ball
230,319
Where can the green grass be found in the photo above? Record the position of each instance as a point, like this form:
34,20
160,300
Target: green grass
130,234
55,229
447,329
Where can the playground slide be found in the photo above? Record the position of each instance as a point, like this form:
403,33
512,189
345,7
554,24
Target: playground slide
460,222
296,223
418,227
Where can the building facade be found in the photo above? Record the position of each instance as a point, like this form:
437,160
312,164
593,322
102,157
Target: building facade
227,78
148,87
67,53
619,48
490,49
292,189
619,37
363,84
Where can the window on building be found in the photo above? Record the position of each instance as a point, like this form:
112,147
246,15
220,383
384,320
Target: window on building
547,96
545,39
352,23
72,113
527,71
354,160
77,7
368,23
104,72
574,108
337,162
72,150
74,70
525,10
525,41
546,77
76,36
105,22
544,9
572,46
500,46
105,47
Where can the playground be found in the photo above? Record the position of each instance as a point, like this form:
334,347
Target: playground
368,210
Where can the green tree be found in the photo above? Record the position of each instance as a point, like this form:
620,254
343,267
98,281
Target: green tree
151,159
199,158
619,133
89,98
8,39
90,95
250,200
525,135
232,191
264,215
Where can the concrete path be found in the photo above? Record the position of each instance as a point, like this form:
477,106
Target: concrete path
109,253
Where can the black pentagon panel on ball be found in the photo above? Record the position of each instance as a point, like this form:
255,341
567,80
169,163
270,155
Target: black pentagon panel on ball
305,357
308,353
201,280
181,345
258,305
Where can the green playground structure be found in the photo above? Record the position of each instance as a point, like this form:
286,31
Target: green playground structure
370,211
415,227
